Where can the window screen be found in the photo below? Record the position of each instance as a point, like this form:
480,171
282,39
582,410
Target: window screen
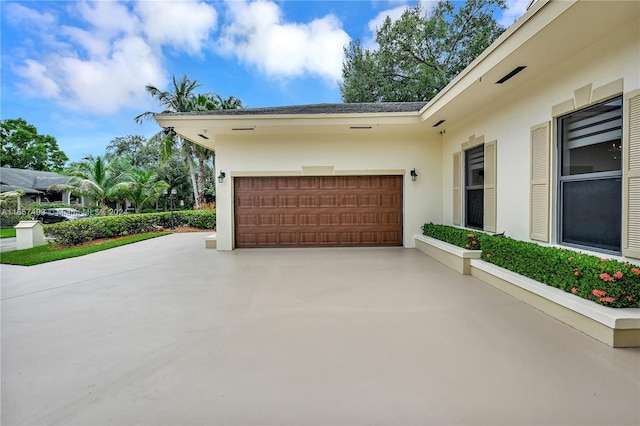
591,177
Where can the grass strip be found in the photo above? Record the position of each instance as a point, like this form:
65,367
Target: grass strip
7,233
50,253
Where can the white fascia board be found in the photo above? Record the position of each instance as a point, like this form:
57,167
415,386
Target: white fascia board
527,26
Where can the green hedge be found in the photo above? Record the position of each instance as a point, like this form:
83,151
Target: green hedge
84,230
464,238
605,281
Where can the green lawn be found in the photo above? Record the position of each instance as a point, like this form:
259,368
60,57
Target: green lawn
50,253
7,233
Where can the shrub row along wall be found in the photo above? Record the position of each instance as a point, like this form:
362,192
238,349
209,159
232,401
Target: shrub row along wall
82,230
605,281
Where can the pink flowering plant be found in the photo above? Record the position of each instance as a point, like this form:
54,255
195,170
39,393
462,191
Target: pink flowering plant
605,281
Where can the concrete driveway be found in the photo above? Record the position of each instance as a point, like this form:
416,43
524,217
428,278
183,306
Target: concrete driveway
164,332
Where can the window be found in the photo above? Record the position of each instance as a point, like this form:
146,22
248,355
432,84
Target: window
590,182
474,187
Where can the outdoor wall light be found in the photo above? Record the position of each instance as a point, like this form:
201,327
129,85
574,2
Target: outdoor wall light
414,175
221,177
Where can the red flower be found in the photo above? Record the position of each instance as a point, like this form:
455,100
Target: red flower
488,255
470,235
606,277
635,271
629,298
474,242
599,293
570,259
574,290
576,273
607,299
602,259
467,245
618,275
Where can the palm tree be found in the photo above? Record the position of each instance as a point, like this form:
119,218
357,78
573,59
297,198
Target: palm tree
94,178
180,99
142,188
183,98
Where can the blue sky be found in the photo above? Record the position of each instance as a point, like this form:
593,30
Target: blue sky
77,69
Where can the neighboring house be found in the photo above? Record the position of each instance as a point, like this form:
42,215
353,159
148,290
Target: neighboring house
539,138
35,185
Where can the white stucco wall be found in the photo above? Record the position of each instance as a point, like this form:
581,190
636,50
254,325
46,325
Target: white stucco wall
509,119
352,151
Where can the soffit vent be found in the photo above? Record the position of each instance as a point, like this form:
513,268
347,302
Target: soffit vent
511,74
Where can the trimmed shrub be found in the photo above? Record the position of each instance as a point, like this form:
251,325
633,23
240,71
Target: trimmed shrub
605,281
464,238
83,230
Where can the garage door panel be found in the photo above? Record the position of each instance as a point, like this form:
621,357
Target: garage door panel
308,201
318,211
288,238
267,220
308,219
288,201
247,220
369,182
309,183
328,219
288,220
286,183
266,201
350,200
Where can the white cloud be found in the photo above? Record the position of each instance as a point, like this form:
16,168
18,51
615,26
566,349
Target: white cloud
369,42
20,15
107,85
103,63
38,75
109,18
183,25
394,14
257,35
514,10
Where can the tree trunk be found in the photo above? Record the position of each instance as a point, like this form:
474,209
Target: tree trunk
192,173
201,179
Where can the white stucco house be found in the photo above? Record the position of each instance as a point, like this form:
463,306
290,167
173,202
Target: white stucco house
539,138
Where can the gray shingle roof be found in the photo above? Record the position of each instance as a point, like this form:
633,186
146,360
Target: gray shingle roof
355,108
30,181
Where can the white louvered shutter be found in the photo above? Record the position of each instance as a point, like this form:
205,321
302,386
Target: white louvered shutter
631,176
490,179
539,196
457,189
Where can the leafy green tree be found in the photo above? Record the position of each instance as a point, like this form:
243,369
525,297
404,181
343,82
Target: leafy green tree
418,55
140,151
95,178
142,188
23,148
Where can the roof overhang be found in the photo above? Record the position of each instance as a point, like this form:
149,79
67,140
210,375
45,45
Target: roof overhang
203,129
548,33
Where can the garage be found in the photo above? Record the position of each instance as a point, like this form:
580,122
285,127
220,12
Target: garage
318,211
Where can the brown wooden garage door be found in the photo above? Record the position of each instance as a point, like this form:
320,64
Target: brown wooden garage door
332,211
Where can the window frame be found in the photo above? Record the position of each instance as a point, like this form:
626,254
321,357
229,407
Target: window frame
467,187
561,179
